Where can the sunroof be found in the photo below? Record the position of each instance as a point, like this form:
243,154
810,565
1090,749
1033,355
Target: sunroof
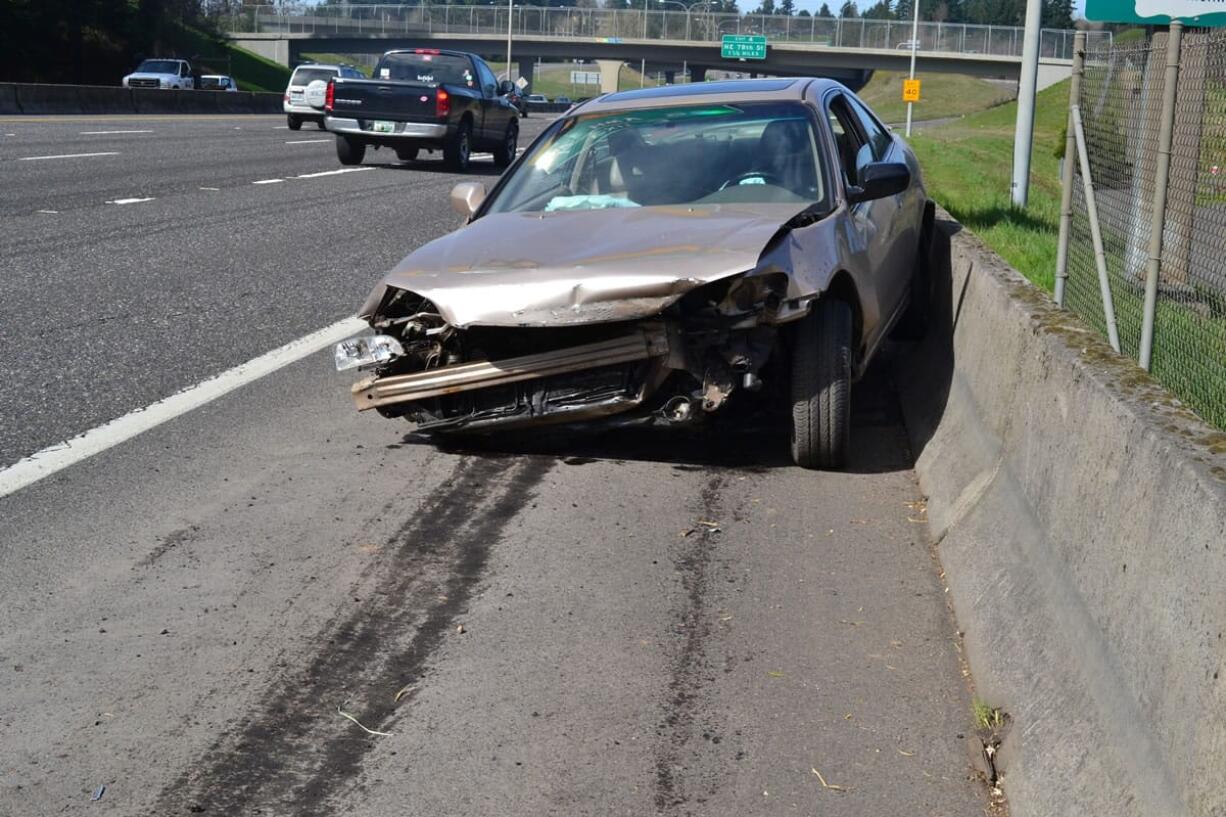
740,86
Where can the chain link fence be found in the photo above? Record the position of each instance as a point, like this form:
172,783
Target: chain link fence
1120,101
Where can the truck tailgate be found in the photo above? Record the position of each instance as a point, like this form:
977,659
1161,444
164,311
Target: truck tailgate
373,100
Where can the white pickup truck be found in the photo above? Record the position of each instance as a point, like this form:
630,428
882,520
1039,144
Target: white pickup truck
161,74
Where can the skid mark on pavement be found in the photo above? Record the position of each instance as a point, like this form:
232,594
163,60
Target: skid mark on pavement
296,754
693,560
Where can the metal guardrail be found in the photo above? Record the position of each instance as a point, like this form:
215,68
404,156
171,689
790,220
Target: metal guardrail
685,24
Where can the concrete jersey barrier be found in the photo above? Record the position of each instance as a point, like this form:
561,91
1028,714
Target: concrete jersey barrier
19,98
1081,520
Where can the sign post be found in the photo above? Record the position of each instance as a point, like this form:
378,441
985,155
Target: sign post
743,47
907,92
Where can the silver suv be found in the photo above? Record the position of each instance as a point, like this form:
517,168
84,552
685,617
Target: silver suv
304,103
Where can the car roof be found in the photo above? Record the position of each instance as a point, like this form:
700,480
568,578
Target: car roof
318,65
731,90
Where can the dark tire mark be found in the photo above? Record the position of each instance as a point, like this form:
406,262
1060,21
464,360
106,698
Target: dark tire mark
296,754
689,667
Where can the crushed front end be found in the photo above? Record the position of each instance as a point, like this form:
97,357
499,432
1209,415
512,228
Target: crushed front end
675,365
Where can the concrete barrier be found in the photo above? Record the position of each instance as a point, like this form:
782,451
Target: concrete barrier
48,99
1081,521
94,99
8,99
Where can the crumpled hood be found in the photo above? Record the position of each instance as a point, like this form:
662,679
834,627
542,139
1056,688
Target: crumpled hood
590,266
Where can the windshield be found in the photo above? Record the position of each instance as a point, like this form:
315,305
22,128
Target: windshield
432,69
214,82
305,76
158,67
705,154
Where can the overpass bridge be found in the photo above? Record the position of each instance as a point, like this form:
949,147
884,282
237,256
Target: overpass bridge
845,49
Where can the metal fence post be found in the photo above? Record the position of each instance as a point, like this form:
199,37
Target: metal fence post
1161,176
1100,255
1066,176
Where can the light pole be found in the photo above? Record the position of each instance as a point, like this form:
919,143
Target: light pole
510,22
914,48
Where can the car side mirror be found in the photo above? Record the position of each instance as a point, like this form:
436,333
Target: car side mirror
505,87
466,197
879,180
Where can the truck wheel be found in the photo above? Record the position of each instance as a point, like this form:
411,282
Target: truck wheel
319,123
294,122
406,154
350,151
821,386
506,153
457,151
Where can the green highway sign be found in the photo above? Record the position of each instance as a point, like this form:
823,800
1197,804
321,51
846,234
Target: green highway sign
1158,12
743,47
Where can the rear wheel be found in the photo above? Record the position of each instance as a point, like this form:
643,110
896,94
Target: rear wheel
458,150
406,154
350,151
319,123
821,386
294,122
506,154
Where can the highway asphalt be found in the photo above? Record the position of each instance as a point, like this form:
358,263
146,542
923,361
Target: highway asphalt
632,623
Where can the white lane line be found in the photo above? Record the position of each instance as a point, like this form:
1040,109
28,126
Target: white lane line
65,156
108,132
48,212
306,141
333,172
130,201
58,457
210,188
269,181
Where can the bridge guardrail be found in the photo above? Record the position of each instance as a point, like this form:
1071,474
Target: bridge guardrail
693,24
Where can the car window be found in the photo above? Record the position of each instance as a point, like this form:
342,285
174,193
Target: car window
158,67
762,152
877,135
428,67
183,70
489,84
855,149
305,76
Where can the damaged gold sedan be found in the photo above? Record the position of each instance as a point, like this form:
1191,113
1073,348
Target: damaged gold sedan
654,253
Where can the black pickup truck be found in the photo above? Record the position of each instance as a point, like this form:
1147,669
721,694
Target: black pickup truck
423,98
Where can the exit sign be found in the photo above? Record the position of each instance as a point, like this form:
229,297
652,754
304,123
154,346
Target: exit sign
743,47
1158,12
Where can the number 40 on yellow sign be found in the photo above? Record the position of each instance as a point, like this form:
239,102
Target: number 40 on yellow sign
910,90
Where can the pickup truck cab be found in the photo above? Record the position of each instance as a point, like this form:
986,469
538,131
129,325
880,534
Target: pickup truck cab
423,98
161,74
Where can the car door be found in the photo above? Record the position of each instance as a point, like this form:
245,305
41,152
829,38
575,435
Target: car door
861,142
493,122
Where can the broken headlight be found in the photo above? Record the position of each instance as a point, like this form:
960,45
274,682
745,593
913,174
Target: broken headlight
369,350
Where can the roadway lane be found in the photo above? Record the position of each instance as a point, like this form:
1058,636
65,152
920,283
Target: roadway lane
185,613
105,308
542,628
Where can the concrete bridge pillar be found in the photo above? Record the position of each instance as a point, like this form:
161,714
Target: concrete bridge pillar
527,67
670,77
698,73
610,70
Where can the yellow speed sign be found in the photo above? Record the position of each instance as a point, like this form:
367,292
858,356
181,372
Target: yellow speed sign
910,90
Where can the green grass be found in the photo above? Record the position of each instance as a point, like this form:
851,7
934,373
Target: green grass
251,71
941,96
553,79
968,167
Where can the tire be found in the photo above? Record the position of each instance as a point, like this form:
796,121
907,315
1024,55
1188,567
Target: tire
319,123
821,387
458,149
505,155
913,324
406,154
350,151
294,122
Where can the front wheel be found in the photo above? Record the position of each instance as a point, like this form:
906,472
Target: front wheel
350,151
506,153
821,386
458,150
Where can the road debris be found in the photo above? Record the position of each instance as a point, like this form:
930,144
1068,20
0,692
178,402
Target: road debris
905,753
345,714
825,785
98,792
404,690
460,629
